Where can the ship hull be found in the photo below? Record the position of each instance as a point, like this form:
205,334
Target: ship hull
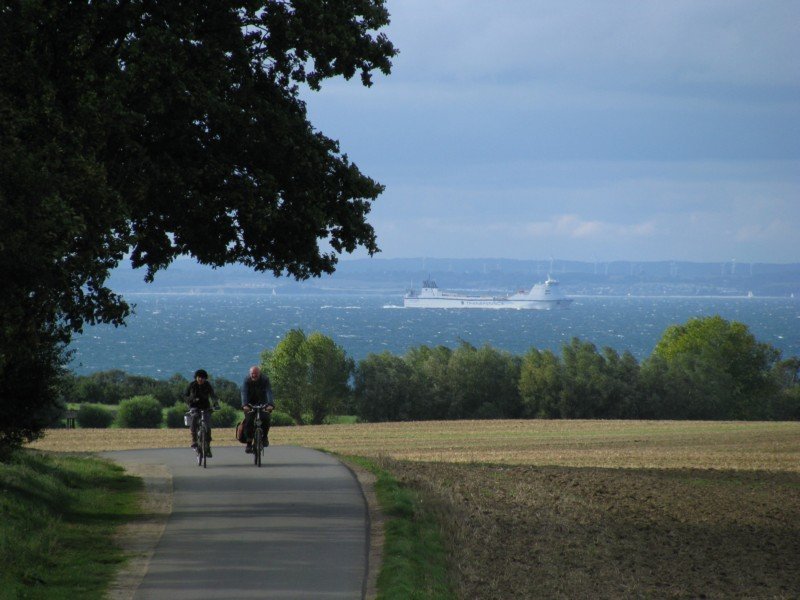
467,302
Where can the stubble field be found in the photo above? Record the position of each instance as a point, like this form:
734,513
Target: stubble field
579,509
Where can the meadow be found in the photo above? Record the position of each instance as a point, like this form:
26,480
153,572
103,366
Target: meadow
569,509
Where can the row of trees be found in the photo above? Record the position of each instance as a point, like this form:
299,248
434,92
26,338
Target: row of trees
708,368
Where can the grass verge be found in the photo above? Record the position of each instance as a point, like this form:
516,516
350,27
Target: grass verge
414,558
59,514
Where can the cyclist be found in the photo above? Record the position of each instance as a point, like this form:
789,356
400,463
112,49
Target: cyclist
199,395
256,389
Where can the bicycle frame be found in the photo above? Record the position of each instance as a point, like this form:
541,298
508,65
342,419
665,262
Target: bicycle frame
203,434
258,434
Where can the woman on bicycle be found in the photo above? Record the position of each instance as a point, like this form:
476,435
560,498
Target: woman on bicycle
198,396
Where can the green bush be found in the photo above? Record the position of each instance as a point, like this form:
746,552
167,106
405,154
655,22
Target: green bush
488,410
174,415
786,404
227,392
139,412
94,416
341,420
226,416
281,419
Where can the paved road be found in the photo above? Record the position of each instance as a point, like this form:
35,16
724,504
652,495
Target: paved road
295,528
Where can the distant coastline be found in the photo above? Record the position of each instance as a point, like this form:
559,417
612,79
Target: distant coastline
395,276
234,291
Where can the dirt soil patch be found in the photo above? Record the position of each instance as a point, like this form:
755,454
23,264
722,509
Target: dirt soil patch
555,532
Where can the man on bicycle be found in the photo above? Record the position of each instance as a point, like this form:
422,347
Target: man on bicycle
256,389
198,396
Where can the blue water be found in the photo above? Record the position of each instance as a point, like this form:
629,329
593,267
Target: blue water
225,333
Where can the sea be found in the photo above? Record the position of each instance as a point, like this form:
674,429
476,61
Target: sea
225,333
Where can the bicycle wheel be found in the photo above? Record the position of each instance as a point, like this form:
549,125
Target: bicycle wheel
206,445
201,447
258,447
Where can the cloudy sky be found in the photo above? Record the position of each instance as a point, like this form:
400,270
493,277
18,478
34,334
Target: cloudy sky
582,130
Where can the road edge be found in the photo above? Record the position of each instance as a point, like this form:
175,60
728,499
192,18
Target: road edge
139,538
375,525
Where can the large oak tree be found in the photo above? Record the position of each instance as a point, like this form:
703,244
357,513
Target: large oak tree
158,129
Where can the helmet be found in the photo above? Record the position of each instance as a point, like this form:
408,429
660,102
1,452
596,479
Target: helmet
201,373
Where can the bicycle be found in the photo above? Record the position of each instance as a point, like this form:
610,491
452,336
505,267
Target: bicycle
203,449
258,434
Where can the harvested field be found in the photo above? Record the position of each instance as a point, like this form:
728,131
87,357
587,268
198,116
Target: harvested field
580,509
628,444
555,532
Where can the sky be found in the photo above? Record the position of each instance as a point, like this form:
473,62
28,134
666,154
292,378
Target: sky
581,130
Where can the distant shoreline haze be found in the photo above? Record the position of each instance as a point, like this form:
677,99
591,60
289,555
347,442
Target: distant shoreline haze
618,278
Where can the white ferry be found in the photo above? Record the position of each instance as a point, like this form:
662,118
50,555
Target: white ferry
541,296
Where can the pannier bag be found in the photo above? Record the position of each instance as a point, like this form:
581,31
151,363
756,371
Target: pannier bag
240,432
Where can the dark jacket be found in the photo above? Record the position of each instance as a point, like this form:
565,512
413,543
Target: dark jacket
198,395
257,392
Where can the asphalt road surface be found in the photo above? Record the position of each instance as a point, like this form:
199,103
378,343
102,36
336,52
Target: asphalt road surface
297,527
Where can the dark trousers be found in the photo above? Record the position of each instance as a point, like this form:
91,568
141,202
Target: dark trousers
249,424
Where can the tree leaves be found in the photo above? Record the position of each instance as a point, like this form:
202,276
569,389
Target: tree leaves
155,130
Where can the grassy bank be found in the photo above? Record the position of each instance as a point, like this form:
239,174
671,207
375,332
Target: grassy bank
59,514
415,564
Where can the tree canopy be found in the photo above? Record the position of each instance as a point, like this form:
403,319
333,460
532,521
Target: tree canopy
716,369
154,130
310,374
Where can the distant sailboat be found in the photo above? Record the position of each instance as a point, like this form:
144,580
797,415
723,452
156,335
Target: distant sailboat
749,294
